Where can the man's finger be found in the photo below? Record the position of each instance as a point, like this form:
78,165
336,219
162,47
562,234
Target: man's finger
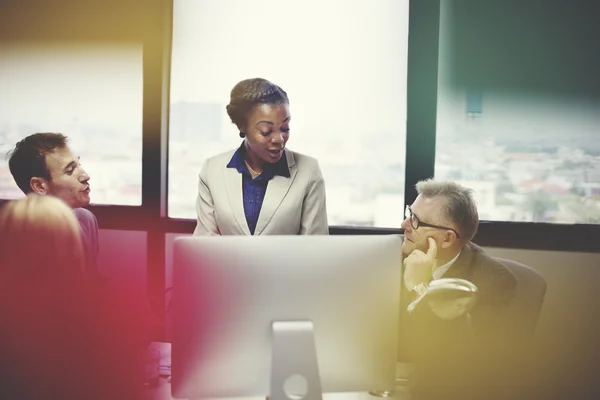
432,251
415,254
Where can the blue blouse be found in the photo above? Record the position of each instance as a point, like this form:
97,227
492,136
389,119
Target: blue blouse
254,190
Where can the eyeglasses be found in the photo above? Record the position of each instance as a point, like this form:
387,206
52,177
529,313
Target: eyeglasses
416,223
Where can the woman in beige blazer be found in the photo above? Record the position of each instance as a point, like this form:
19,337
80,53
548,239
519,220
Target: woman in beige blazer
261,188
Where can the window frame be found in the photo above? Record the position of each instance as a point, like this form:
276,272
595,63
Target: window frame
423,47
422,90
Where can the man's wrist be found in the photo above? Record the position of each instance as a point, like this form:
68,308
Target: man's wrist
420,289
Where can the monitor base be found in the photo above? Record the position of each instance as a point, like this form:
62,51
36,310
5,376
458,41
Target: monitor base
294,366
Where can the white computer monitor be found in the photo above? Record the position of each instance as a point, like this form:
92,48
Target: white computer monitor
246,310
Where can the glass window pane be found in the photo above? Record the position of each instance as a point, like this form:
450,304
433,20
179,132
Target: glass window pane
92,93
530,156
344,69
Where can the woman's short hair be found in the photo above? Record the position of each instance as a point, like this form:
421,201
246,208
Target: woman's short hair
250,92
460,207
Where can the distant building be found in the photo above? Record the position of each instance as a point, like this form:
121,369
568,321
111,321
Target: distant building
485,197
474,104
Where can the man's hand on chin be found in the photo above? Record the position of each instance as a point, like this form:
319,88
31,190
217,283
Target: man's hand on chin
419,266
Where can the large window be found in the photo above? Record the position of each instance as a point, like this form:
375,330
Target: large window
92,93
343,65
531,155
529,159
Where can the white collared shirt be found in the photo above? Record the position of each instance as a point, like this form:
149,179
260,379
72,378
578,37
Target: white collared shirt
441,270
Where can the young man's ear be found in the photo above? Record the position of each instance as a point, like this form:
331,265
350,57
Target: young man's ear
38,185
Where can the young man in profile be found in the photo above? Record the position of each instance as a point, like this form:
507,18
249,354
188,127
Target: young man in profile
43,163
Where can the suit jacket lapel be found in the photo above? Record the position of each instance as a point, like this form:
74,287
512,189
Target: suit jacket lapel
233,185
277,189
462,267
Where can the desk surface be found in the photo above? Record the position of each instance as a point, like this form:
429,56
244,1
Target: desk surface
162,391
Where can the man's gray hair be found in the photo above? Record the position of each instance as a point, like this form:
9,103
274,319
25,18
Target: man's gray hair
461,207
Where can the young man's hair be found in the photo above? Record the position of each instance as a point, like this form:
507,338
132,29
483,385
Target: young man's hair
461,207
28,159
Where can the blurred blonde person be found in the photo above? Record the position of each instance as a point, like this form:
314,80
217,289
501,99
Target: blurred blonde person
40,239
63,336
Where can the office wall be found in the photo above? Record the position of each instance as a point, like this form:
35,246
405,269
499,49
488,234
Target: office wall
123,257
86,21
568,333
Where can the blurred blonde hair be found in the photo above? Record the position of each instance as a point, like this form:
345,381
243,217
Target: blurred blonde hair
56,321
40,238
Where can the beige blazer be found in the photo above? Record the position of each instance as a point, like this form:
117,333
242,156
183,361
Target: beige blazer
292,206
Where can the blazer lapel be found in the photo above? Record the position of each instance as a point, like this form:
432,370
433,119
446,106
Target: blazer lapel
233,185
462,267
277,189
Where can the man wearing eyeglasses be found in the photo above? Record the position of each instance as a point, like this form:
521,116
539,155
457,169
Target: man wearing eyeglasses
451,350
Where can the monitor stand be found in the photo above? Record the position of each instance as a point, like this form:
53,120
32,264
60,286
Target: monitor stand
294,366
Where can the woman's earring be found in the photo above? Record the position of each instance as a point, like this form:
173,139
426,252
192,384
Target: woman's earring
242,134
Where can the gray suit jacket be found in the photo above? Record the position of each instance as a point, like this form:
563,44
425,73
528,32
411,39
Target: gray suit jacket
292,206
448,354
